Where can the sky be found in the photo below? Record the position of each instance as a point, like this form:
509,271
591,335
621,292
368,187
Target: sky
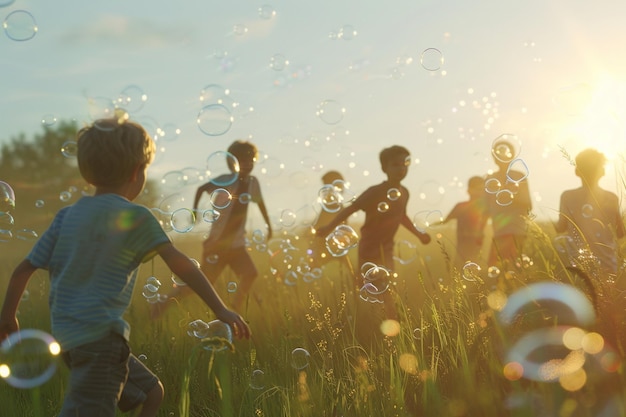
325,85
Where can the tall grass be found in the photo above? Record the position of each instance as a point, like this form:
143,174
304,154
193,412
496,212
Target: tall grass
447,358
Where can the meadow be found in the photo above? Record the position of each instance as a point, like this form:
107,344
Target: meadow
318,349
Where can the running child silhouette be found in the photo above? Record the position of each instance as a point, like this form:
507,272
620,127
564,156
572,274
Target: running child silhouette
591,215
384,205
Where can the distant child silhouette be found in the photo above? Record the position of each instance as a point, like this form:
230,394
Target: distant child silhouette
385,210
471,218
508,205
591,215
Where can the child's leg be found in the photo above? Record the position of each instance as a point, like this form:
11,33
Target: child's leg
142,388
241,263
97,374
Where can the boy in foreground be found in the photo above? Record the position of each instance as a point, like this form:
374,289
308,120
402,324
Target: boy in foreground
91,251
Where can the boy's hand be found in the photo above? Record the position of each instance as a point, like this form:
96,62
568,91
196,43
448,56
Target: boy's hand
7,327
424,238
240,328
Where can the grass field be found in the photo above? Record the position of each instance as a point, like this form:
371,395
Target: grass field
319,350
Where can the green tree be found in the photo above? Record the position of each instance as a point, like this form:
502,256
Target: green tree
44,174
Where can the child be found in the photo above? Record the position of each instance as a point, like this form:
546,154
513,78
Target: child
91,251
471,217
319,254
508,205
226,244
591,215
385,210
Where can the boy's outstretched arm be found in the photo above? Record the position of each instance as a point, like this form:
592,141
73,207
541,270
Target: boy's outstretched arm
17,284
205,188
186,270
341,216
422,236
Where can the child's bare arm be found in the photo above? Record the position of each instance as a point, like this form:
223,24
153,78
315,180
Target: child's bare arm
17,284
341,216
186,270
408,224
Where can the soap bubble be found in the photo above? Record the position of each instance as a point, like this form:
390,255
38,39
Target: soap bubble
28,358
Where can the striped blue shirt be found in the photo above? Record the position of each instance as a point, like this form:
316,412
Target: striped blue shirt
91,251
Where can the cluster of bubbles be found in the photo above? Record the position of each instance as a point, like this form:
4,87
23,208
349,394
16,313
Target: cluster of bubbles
28,358
151,290
7,221
504,150
341,240
376,281
290,262
214,336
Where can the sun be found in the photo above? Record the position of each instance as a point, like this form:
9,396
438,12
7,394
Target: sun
597,117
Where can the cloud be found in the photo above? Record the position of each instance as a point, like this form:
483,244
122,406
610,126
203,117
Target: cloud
127,31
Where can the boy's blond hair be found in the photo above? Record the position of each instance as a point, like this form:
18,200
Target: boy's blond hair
109,152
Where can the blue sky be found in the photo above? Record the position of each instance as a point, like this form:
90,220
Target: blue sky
550,72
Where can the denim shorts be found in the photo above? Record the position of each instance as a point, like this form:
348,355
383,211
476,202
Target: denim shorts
104,375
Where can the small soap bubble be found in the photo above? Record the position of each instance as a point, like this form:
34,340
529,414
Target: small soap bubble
132,98
25,295
177,281
431,59
471,272
257,379
341,240
210,215
258,236
183,220
221,198
212,258
65,196
383,207
231,287
393,194
7,197
506,147
215,120
504,197
347,33
493,271
492,186
587,211
142,357
20,25
219,336
330,112
240,29
300,358
198,328
69,149
245,198
267,12
222,168
48,120
26,234
287,218
278,62
330,198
